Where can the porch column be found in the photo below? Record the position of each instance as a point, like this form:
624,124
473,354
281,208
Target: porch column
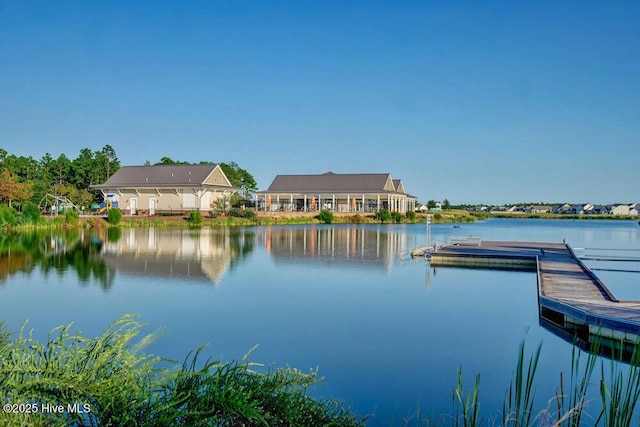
348,204
333,204
378,206
278,201
363,206
305,204
291,202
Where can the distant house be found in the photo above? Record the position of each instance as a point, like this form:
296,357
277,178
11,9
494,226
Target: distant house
538,209
598,210
337,193
578,209
149,190
621,209
561,209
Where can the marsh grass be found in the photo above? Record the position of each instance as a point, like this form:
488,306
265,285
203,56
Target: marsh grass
619,389
620,397
125,387
466,405
517,409
570,402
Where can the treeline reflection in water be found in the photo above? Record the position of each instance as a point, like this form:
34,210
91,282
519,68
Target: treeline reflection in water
192,254
96,255
205,255
56,251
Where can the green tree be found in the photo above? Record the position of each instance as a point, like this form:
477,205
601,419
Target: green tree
220,206
24,168
83,170
195,218
446,204
431,204
44,178
382,215
326,216
240,178
31,213
170,161
8,216
61,169
71,216
114,216
111,162
12,190
106,163
81,198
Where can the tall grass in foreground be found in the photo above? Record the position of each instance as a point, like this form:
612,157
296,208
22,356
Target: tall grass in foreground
619,394
518,405
124,387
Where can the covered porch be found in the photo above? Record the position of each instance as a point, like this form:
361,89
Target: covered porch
335,202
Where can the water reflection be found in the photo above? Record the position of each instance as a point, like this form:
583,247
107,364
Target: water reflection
98,254
178,253
348,246
619,348
55,251
618,344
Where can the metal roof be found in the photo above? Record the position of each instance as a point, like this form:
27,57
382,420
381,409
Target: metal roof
330,182
159,175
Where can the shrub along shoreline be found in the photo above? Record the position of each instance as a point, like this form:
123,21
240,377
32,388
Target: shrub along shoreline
17,220
30,219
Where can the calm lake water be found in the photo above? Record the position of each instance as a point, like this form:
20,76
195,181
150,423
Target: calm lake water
388,335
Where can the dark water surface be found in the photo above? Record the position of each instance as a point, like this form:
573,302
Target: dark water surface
387,335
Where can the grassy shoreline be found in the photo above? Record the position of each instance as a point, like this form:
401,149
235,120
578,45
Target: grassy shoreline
300,218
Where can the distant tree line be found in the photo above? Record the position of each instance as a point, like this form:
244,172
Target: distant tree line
25,179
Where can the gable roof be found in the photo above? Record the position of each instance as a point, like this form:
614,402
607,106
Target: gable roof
399,186
161,175
332,182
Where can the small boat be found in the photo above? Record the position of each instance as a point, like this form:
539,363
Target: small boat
456,226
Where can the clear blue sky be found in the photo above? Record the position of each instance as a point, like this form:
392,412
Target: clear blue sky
477,102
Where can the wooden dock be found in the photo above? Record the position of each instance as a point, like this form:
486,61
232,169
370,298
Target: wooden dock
569,294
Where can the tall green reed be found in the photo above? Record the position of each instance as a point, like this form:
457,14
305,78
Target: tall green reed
620,397
517,408
466,405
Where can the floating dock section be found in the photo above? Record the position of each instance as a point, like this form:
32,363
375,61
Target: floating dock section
570,296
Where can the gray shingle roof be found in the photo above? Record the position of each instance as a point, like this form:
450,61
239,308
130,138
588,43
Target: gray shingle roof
330,182
160,175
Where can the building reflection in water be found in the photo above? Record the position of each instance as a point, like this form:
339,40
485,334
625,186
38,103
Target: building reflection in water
619,344
178,253
349,246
